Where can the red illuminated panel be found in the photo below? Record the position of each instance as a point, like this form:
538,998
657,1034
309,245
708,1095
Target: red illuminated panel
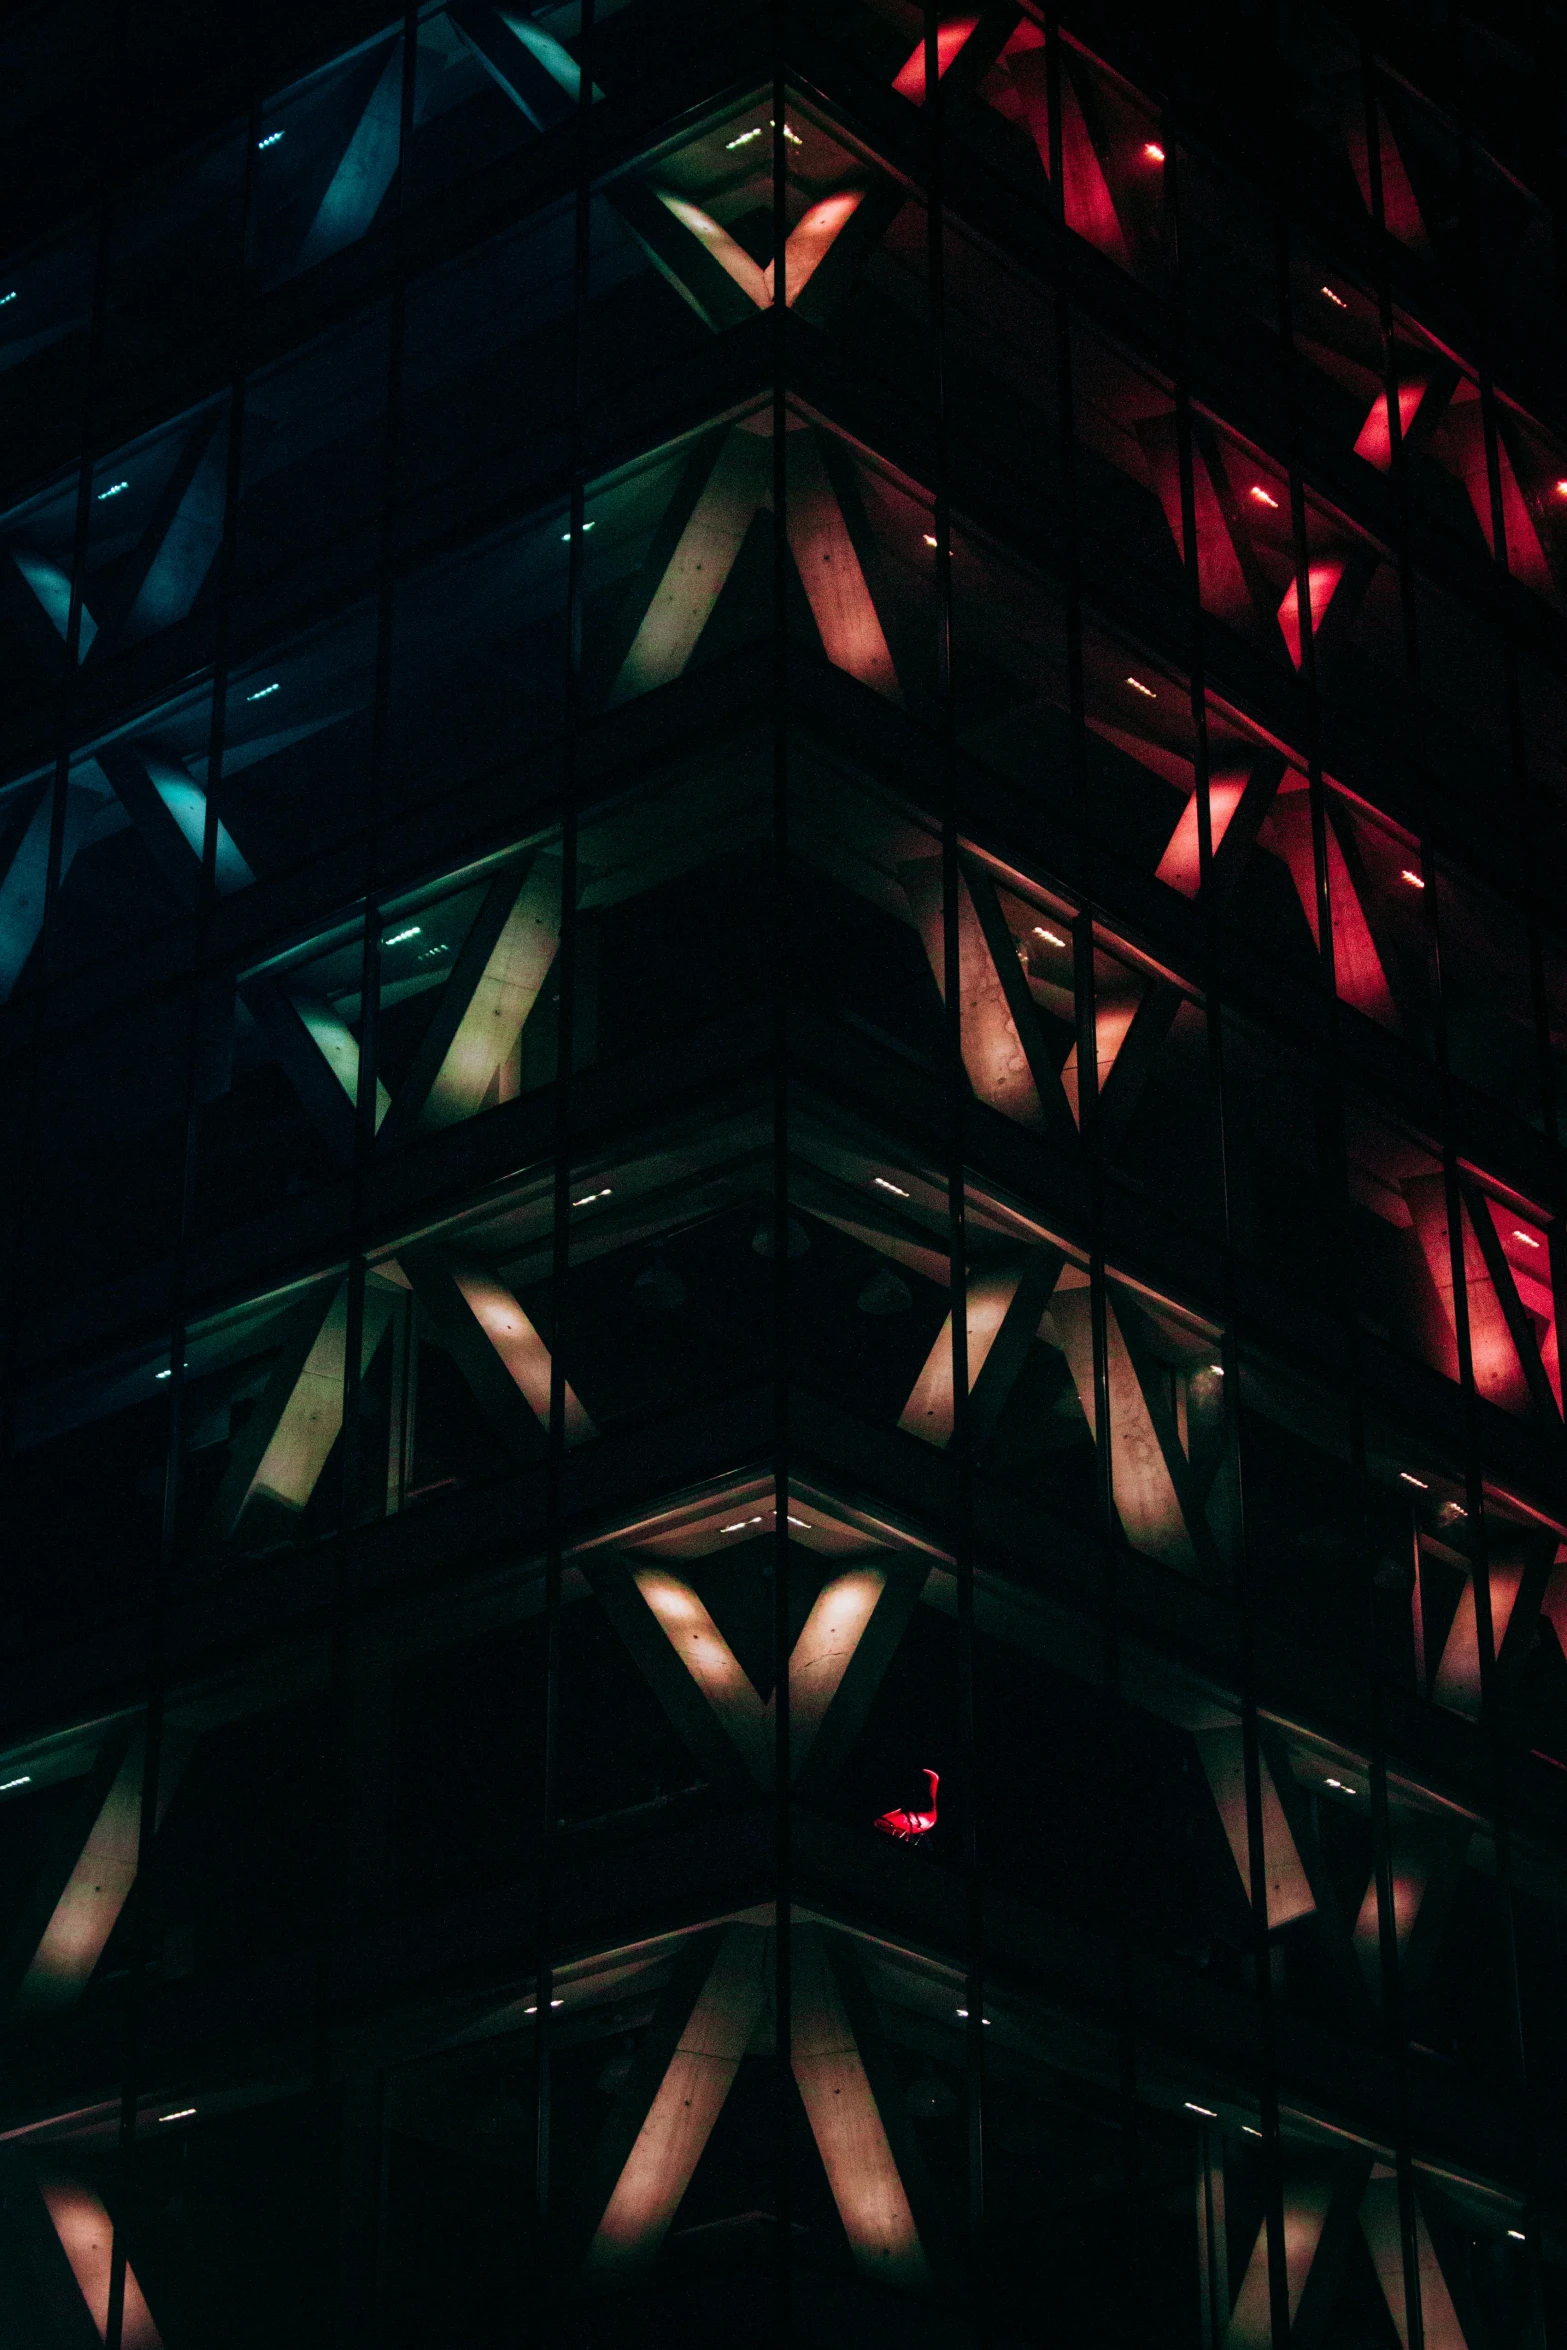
1322,578
909,80
1375,441
1179,864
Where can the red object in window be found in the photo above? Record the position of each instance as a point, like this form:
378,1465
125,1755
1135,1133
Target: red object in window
909,81
910,1826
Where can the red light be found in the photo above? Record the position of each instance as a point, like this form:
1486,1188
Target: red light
1153,151
1262,497
910,1826
1413,878
1561,489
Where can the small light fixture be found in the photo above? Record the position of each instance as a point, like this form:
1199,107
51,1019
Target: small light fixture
270,140
163,1374
882,1184
1529,1239
181,2113
401,937
1250,2130
113,490
1561,486
565,536
1408,873
795,1521
1153,150
1138,687
1418,1483
1337,300
1518,2235
744,140
1049,936
553,2003
1209,2113
25,1780
963,2012
1264,497
10,297
263,692
589,1197
1338,1783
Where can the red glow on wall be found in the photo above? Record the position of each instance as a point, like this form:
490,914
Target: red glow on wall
910,1826
1375,439
909,81
1321,581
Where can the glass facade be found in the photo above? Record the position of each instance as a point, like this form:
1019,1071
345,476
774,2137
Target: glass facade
783,817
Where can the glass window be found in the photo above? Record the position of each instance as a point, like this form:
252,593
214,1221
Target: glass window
296,750
487,338
1112,153
479,657
1128,478
312,472
175,252
35,591
486,80
113,1094
326,160
136,821
1488,994
154,529
84,1493
45,317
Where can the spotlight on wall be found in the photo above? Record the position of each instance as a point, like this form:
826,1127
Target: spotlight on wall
181,2113
1337,300
885,1293
1209,2113
25,1780
1264,497
1146,691
1529,1239
796,1239
1153,150
1561,489
1419,1483
113,491
1517,2236
1409,874
882,1183
1049,936
270,140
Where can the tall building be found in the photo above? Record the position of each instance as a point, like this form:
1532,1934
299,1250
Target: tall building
783,808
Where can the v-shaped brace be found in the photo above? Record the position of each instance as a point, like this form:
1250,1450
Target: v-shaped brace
655,2135
468,1056
835,1667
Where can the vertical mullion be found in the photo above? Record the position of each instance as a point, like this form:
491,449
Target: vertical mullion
783,1872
